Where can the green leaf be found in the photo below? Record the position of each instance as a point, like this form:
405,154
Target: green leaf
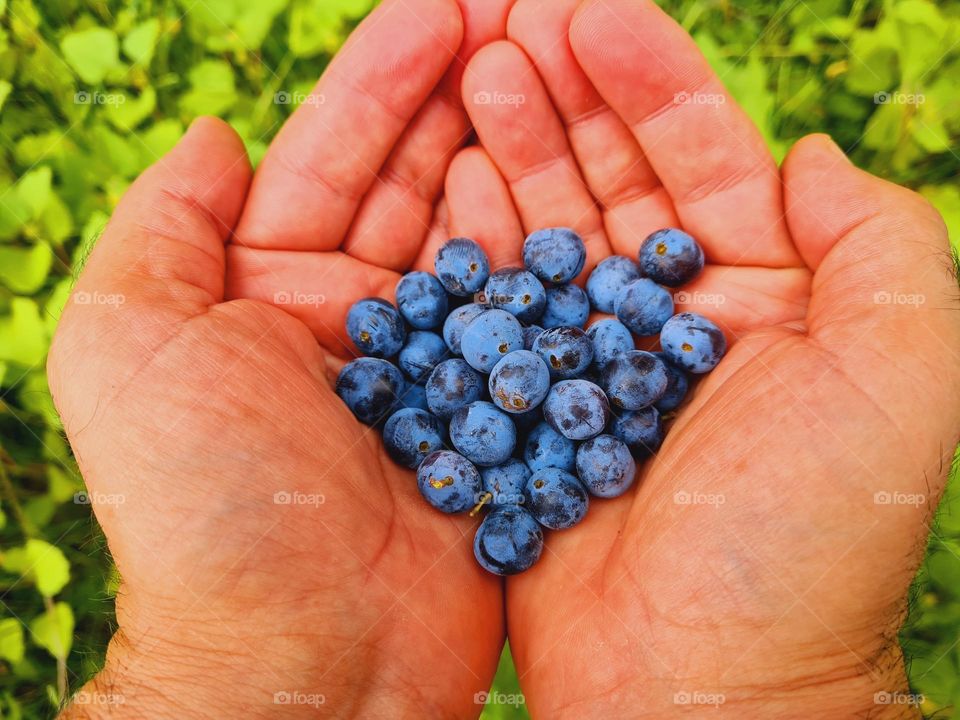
34,189
946,198
23,335
141,41
92,53
129,110
5,89
24,270
56,221
885,127
212,92
53,630
41,563
873,61
11,640
922,32
317,25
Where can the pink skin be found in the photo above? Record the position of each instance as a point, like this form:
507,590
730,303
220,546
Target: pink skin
779,585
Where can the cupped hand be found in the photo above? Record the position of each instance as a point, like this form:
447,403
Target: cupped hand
762,564
274,560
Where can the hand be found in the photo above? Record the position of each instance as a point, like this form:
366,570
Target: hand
266,542
756,566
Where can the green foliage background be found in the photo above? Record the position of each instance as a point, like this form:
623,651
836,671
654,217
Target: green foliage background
93,91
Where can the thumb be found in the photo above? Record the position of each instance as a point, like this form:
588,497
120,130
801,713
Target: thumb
885,299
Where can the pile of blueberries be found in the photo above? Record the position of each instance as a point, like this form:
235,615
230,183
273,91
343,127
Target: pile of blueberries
540,413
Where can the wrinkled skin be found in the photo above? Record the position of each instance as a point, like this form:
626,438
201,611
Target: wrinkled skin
752,561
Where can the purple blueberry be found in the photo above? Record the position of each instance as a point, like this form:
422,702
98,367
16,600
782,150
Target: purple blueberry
605,466
577,409
567,351
556,499
607,279
462,267
490,337
370,387
519,382
518,292
671,257
452,385
566,305
610,338
448,481
376,328
422,300
483,434
509,541
693,343
634,380
422,353
411,435
643,306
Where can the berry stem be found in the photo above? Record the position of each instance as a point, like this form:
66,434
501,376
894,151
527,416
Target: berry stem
487,497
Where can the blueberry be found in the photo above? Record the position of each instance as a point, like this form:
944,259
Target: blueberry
577,409
370,387
643,306
642,431
508,541
677,385
518,292
556,499
519,382
422,353
634,380
671,257
605,466
693,343
452,385
566,305
411,435
526,421
547,448
422,300
485,435
489,337
606,280
530,334
413,396
375,326
610,338
457,322
448,481
567,351
555,255
505,482
462,267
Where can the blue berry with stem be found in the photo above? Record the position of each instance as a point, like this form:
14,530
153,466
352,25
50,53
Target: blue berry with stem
607,279
410,435
462,267
567,351
370,388
509,541
605,466
483,433
566,305
519,382
671,257
555,255
518,292
556,499
643,306
448,481
693,343
376,328
490,337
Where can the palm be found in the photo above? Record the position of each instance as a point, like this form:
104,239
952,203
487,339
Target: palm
671,591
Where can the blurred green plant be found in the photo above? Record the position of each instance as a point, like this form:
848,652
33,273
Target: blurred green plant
93,91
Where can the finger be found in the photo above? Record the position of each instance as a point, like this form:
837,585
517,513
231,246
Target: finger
164,247
394,217
707,153
518,126
484,22
327,156
439,233
481,208
316,288
633,200
885,291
